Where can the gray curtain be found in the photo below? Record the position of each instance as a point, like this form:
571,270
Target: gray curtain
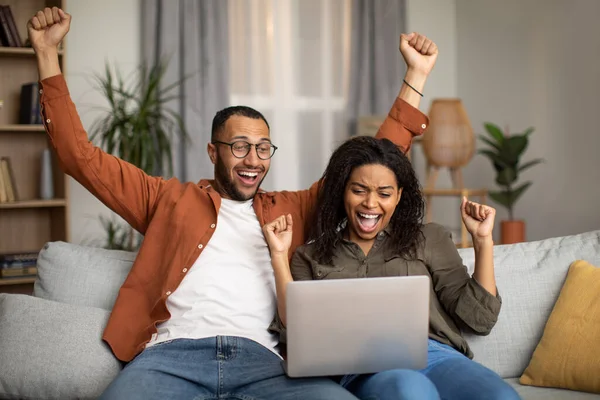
376,65
193,36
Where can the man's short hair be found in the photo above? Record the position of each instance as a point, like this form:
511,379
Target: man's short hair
222,116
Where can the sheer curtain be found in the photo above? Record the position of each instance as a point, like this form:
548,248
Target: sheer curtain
192,35
376,65
289,59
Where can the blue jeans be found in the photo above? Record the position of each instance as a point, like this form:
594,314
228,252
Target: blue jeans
449,375
222,367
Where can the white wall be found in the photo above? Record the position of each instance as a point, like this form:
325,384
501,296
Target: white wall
107,30
536,63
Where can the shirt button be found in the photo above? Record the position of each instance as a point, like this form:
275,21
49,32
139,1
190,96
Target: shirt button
168,292
212,226
185,270
41,91
48,121
200,246
319,273
423,126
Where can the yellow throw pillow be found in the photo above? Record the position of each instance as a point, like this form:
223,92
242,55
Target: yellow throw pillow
568,355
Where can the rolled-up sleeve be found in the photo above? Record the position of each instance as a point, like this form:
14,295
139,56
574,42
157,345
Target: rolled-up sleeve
463,298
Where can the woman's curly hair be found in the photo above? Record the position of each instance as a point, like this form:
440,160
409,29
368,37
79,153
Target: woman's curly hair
329,213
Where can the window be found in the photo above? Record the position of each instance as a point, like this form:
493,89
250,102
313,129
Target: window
289,59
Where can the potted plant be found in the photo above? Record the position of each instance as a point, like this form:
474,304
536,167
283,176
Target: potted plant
137,127
505,150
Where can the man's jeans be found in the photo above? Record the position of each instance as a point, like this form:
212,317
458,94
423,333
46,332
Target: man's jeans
222,367
449,375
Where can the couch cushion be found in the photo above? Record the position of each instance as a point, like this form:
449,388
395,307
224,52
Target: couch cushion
50,350
81,275
529,277
536,393
568,356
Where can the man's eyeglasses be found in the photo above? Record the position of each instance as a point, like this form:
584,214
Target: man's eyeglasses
241,148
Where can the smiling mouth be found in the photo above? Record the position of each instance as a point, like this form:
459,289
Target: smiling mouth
367,222
248,178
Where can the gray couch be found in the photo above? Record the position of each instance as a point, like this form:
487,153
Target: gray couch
50,345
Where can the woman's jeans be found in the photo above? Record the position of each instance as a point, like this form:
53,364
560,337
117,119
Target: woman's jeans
448,375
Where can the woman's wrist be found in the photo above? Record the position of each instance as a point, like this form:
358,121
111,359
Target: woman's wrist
480,243
279,257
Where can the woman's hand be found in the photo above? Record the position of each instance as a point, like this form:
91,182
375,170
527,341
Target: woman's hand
478,219
278,234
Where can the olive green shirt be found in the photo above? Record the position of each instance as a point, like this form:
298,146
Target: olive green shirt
457,299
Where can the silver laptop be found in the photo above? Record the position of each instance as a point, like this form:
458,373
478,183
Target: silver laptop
357,326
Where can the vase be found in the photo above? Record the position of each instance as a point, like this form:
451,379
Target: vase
449,140
512,231
46,176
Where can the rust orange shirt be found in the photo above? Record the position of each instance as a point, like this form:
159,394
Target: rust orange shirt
176,218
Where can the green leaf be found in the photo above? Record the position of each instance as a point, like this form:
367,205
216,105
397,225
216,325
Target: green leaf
490,142
528,131
494,157
530,164
506,176
518,192
512,149
494,132
501,197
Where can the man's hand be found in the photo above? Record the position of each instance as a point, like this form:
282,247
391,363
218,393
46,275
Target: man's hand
478,219
419,52
278,234
47,28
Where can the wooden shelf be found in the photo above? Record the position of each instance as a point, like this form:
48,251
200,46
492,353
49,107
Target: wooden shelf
22,128
30,222
20,51
35,204
17,281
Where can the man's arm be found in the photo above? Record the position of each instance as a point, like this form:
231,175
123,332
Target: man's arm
124,188
404,121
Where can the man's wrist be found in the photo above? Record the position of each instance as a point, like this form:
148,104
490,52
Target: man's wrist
48,64
47,53
416,79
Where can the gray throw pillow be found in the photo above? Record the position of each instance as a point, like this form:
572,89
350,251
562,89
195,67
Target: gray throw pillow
50,350
81,275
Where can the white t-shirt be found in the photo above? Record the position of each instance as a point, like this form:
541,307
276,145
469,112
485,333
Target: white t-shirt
230,289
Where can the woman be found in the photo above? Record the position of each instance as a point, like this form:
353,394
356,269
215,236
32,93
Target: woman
368,223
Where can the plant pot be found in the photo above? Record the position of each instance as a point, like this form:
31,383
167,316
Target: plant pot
512,231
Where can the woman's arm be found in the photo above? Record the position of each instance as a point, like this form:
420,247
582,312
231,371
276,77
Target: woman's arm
463,297
283,276
278,234
479,221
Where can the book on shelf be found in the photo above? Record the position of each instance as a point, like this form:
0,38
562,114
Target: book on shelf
30,104
9,34
18,272
8,191
18,265
18,260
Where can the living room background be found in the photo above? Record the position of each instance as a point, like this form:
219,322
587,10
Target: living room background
512,64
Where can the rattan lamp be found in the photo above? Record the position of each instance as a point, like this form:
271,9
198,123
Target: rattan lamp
449,141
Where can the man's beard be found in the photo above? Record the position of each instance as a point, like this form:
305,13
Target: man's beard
227,187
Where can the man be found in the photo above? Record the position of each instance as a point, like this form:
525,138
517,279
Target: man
192,317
